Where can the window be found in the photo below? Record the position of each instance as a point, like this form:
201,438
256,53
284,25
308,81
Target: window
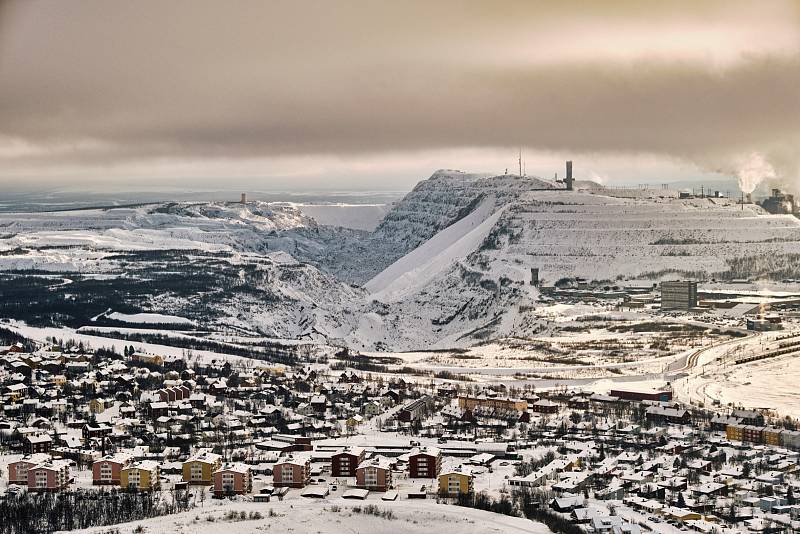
105,471
453,485
22,472
197,471
370,476
287,473
41,479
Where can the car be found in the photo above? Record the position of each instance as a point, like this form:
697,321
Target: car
333,487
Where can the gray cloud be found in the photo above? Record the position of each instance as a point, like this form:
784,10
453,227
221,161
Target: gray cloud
94,83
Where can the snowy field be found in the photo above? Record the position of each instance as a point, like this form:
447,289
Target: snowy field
149,318
332,516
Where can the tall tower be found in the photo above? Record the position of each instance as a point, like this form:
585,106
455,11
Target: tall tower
520,162
568,179
244,198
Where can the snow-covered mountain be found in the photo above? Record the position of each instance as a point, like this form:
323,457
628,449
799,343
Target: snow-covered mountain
448,265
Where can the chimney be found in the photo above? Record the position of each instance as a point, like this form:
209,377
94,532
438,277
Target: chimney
244,198
568,179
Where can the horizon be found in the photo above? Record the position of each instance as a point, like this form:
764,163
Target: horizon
104,94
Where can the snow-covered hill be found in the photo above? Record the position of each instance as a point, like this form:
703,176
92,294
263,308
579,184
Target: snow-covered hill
447,266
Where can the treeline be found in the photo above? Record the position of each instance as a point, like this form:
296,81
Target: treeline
9,337
31,513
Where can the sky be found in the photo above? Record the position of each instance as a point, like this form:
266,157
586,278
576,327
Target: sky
377,95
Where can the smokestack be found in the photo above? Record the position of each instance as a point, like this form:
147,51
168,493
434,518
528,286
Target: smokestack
568,179
244,198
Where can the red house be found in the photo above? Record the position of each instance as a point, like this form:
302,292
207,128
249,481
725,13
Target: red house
18,471
344,464
232,479
424,462
291,472
50,476
374,474
106,470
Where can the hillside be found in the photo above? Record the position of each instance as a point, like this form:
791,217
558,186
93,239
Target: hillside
433,205
448,265
455,289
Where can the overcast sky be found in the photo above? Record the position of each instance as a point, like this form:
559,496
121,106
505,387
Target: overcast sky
377,95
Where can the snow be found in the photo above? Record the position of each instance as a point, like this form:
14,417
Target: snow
317,516
149,318
423,264
43,333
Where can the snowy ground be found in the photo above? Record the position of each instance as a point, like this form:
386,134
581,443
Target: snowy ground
332,516
41,334
149,318
770,384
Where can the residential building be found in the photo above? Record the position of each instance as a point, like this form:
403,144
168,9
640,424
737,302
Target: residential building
49,476
18,471
344,464
291,472
374,474
424,462
455,482
233,479
106,470
140,476
199,468
470,403
415,409
37,443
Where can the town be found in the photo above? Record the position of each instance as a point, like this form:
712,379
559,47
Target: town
95,423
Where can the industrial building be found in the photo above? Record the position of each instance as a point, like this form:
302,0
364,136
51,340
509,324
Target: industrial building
780,203
764,324
678,295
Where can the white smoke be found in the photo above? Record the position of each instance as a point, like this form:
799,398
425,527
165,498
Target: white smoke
751,170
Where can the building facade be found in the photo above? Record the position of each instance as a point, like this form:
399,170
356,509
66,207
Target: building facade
424,462
199,468
292,473
49,476
455,482
140,476
233,479
678,295
374,474
106,470
344,464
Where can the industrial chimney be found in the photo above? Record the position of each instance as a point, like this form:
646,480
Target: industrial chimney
568,179
244,198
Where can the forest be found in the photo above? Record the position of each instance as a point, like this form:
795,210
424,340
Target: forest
31,513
